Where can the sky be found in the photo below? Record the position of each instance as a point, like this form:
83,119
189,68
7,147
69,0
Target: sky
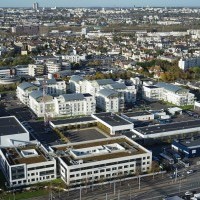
99,3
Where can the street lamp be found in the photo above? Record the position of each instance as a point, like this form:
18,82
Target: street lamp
129,191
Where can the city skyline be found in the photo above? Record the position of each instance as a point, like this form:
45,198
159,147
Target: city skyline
100,3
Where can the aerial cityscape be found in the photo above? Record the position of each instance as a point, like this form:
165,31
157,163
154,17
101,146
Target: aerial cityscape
100,100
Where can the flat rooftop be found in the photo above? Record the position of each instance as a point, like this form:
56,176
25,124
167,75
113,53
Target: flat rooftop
80,135
191,143
102,149
168,127
135,114
18,155
73,121
10,125
112,119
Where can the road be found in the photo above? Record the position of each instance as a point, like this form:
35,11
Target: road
150,189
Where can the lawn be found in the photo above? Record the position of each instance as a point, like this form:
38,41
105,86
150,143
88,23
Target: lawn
26,195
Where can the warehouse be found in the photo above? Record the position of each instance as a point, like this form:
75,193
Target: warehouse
165,130
190,148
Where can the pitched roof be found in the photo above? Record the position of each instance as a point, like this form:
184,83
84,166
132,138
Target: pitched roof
71,97
25,85
105,81
118,86
170,87
36,94
107,92
76,78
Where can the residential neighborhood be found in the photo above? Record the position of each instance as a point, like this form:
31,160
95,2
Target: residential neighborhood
99,102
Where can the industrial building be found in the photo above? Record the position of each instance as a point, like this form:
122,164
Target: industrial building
168,130
190,148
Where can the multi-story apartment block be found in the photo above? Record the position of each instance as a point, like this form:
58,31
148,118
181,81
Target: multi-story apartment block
40,105
78,84
176,95
151,93
21,70
23,91
75,104
102,159
74,58
36,70
186,63
108,100
52,86
26,164
168,92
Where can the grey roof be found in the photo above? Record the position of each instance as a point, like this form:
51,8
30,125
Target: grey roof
76,78
169,127
191,144
107,92
48,81
36,94
170,87
117,86
25,85
73,120
71,97
105,81
112,119
9,126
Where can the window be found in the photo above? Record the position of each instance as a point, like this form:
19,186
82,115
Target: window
108,169
95,171
102,170
120,167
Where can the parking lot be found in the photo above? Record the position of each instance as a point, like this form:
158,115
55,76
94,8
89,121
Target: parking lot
84,134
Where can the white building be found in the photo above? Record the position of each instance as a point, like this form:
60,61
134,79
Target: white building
78,84
75,104
25,165
138,116
74,58
36,70
12,132
112,123
108,100
22,70
104,159
52,86
40,105
176,95
186,63
151,93
23,91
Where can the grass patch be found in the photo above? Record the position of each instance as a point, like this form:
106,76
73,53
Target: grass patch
26,195
188,107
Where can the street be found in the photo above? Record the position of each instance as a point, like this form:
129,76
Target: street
150,188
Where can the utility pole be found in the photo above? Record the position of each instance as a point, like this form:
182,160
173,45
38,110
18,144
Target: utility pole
114,188
118,195
176,175
139,182
80,192
106,196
